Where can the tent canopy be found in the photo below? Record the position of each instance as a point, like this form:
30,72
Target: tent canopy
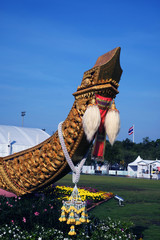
14,139
135,162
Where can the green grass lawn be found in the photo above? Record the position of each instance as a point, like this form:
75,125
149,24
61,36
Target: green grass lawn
141,206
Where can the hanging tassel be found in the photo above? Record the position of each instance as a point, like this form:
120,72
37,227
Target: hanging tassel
78,222
63,217
112,123
72,231
83,217
91,121
71,218
74,206
87,220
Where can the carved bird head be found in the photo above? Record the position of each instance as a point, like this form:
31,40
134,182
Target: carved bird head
103,78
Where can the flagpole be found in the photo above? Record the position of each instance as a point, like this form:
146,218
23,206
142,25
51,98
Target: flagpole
133,133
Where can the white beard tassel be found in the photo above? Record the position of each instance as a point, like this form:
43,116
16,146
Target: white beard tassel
112,123
91,121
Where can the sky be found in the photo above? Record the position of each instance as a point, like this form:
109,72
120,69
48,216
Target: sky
47,45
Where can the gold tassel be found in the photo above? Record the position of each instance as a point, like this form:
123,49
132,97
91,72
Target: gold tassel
63,217
72,231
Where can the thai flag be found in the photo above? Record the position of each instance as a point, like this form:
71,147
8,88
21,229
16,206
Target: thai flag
130,131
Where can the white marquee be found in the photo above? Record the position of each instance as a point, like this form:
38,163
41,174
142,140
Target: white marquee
15,139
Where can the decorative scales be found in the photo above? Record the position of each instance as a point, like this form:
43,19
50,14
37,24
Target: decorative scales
73,210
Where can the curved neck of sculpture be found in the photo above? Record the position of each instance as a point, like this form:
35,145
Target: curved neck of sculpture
39,166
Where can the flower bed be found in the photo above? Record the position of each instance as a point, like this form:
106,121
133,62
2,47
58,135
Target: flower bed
36,216
90,195
108,229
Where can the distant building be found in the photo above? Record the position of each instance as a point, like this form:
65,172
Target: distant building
15,139
141,168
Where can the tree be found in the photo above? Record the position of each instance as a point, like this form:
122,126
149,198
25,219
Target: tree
126,151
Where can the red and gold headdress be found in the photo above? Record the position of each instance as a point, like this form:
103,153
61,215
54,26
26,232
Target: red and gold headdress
101,118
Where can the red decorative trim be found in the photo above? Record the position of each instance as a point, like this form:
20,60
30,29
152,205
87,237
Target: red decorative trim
99,145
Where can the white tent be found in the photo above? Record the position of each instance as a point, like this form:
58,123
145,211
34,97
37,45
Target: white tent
15,139
88,169
148,169
132,167
156,165
144,168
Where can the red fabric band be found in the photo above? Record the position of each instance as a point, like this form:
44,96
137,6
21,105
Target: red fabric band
99,145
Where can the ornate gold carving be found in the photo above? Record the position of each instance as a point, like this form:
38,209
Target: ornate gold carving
34,168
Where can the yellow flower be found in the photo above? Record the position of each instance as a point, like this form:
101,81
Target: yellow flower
84,194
